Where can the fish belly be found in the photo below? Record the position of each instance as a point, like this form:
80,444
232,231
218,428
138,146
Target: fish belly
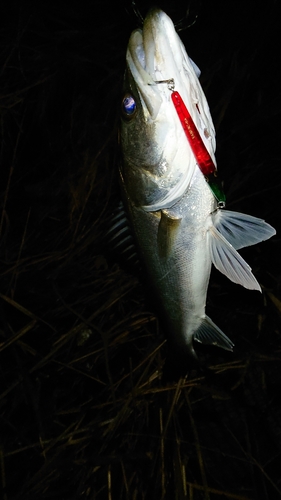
179,274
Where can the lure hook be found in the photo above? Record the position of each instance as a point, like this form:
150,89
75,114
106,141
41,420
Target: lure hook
170,82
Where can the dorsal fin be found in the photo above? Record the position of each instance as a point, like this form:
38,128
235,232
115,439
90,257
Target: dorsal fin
120,240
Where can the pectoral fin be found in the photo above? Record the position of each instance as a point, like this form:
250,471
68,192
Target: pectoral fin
228,261
241,230
210,334
167,232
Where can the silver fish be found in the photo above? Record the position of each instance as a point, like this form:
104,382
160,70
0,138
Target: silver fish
180,228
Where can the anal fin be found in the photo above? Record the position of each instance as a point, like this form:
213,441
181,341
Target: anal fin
210,334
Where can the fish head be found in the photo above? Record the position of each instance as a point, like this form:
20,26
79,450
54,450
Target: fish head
158,164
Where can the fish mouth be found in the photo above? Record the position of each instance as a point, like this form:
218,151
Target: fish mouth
154,54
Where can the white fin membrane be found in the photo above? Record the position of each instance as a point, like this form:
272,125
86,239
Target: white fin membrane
210,334
241,230
229,262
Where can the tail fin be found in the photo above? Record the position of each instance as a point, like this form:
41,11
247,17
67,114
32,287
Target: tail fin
241,230
229,262
231,231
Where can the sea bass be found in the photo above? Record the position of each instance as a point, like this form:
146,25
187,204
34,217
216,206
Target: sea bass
175,209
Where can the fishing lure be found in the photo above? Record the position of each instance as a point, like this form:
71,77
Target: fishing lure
202,156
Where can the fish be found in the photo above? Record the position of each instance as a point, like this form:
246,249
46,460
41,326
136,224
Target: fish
177,211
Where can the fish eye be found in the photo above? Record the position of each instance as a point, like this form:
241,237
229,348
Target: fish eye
129,106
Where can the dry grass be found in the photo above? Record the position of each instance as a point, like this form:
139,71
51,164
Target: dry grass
89,406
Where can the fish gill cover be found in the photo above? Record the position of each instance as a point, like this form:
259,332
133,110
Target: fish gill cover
91,404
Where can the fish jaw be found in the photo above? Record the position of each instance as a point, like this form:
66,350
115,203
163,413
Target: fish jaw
156,155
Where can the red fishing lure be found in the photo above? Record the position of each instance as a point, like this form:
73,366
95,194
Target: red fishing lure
196,143
198,147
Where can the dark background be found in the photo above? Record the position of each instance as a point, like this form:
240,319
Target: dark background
89,407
